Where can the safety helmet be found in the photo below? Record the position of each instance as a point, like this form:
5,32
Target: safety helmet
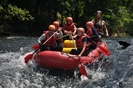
51,27
56,23
81,29
99,12
90,23
69,19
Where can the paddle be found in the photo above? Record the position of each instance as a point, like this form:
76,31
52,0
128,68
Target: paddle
37,45
28,57
82,67
63,36
124,44
102,48
83,70
73,42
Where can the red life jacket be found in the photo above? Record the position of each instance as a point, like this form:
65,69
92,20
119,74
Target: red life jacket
79,42
89,32
52,41
69,27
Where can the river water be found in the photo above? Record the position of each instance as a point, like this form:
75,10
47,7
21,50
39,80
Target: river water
115,72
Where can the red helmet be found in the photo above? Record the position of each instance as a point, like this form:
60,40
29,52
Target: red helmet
56,23
69,19
81,29
90,23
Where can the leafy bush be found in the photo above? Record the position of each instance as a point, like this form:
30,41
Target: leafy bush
15,19
14,11
35,15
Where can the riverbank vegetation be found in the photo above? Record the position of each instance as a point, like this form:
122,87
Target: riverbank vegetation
31,17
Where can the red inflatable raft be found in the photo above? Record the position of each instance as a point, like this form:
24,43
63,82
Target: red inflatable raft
65,61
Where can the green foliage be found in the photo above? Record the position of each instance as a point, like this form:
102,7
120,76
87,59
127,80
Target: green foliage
1,8
120,20
123,34
14,11
35,15
14,19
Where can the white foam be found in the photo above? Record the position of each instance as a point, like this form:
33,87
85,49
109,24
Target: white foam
83,78
12,37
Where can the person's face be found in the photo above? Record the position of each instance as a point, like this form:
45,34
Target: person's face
79,33
87,26
69,22
98,15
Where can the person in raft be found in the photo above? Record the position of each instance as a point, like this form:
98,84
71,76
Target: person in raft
92,33
48,39
69,27
59,41
81,43
100,24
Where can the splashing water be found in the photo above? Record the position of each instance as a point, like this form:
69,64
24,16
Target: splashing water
113,72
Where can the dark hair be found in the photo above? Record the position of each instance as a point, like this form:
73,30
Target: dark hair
99,12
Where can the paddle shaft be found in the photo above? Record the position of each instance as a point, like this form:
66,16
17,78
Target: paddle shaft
75,46
37,45
49,38
123,43
102,48
45,42
73,42
94,42
28,57
108,37
63,36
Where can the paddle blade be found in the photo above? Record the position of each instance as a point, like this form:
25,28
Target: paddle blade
125,44
83,70
105,50
35,47
28,57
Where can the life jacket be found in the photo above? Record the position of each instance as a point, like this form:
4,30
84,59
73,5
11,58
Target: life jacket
79,42
51,41
98,25
89,32
69,27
